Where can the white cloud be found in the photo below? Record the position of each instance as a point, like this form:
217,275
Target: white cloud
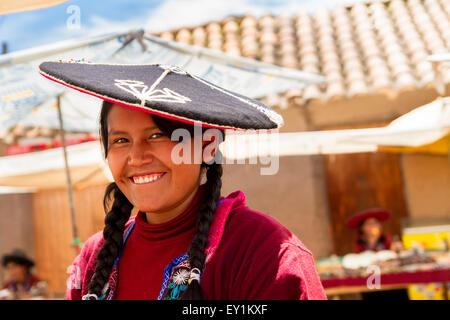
98,23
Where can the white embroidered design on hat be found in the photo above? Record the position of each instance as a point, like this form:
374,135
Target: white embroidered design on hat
144,93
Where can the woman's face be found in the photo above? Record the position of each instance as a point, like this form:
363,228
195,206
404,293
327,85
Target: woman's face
371,227
16,272
139,157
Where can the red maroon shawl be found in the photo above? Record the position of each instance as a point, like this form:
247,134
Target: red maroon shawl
250,255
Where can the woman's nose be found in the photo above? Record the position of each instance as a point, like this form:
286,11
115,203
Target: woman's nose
139,155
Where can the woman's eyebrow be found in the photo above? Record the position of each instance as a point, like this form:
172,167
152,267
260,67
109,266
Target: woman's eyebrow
118,132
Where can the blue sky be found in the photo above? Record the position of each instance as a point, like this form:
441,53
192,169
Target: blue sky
82,18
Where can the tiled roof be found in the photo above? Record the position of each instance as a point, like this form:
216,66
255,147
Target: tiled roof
378,46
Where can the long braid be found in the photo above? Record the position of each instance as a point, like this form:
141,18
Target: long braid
113,234
196,250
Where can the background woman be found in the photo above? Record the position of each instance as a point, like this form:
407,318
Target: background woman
370,231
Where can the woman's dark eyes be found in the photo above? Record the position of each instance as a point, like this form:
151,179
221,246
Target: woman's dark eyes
120,140
152,136
156,135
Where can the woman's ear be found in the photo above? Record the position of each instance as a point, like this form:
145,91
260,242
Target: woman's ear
210,144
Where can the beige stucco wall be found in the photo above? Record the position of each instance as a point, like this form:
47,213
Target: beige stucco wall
427,185
295,196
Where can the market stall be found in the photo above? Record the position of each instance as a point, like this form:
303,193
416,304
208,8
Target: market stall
421,265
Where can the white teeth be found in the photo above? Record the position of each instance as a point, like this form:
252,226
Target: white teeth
146,179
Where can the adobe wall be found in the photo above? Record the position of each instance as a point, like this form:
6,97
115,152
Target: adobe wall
295,196
427,185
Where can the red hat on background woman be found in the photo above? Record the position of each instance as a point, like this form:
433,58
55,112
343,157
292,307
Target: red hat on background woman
370,232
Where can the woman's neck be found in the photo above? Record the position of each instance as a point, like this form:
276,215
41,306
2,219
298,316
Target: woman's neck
167,215
372,241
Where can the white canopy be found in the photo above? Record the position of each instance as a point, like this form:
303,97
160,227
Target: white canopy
421,126
45,169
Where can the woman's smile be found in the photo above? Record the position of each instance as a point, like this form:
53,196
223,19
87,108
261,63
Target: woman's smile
147,178
140,158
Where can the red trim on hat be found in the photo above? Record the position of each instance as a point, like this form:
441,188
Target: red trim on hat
380,214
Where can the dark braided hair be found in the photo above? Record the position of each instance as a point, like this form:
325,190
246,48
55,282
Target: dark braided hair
113,234
196,250
121,208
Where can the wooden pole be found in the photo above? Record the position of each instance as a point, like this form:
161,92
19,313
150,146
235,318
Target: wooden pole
76,242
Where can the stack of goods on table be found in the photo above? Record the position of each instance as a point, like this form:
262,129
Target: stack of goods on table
357,265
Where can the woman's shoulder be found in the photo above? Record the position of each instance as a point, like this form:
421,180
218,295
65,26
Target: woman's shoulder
241,215
86,258
255,219
93,241
266,260
258,227
93,244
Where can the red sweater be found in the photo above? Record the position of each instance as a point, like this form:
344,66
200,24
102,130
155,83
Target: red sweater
257,258
149,249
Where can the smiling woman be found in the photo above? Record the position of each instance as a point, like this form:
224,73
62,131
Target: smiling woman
185,233
138,148
140,158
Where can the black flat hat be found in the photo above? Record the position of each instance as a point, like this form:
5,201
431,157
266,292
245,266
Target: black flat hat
19,257
165,91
